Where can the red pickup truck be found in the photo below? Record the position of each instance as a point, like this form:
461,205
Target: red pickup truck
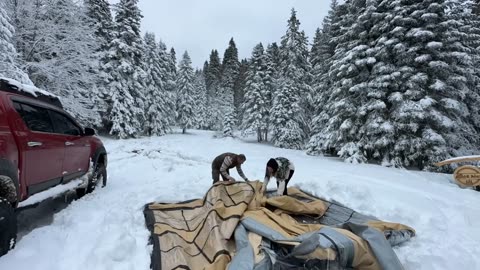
41,146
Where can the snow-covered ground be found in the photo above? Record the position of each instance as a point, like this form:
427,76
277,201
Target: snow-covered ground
106,230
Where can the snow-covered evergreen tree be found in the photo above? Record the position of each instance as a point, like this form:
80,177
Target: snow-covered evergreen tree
157,99
401,73
230,70
185,101
427,110
295,69
101,21
333,32
271,80
57,47
464,37
476,7
315,50
228,123
126,86
200,97
213,78
351,104
323,45
170,77
239,88
321,57
214,74
291,136
9,66
255,107
286,106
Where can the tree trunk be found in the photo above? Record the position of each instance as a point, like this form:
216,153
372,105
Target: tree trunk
184,130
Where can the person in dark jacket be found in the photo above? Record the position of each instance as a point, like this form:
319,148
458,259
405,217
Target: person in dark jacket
282,169
222,164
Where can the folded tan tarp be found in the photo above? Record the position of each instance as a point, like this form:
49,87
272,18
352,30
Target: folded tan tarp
236,227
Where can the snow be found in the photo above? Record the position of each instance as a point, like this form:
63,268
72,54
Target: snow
50,193
427,102
423,58
420,33
387,126
106,229
438,85
434,45
27,88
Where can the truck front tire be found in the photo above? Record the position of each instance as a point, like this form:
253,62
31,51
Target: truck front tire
98,179
8,226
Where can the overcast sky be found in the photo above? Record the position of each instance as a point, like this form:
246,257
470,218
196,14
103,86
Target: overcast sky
202,25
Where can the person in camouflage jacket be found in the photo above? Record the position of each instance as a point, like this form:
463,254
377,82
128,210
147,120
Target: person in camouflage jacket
282,169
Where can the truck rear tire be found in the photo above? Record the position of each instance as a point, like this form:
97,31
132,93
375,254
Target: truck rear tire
8,226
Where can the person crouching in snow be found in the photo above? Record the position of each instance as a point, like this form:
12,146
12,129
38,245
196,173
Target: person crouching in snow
222,164
282,169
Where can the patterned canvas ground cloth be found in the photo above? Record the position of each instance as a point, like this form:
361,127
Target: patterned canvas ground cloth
236,227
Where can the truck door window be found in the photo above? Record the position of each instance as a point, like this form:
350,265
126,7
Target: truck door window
64,125
36,118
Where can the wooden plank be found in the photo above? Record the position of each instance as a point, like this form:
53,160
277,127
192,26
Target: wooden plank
457,160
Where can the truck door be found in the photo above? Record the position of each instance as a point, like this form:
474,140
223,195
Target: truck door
77,147
44,150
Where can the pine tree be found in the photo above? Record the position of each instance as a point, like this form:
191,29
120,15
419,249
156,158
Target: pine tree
464,35
285,107
185,101
333,32
295,68
401,74
169,78
126,77
173,56
101,21
214,74
315,50
171,74
200,97
323,46
9,66
271,80
239,89
230,71
213,84
255,108
157,100
476,7
427,110
57,48
321,57
228,123
352,108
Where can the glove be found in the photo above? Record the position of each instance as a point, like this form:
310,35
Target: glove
246,180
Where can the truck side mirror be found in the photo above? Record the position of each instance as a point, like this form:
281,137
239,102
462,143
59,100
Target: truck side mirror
89,131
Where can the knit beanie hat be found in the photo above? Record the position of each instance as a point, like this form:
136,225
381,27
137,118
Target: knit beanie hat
272,163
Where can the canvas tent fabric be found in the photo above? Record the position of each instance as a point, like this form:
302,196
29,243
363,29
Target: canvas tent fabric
236,227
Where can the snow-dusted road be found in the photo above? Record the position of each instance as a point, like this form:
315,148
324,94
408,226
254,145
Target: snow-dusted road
105,230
